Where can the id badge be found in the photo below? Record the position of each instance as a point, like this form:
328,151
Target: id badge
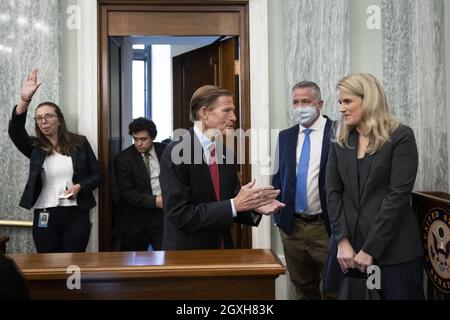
43,219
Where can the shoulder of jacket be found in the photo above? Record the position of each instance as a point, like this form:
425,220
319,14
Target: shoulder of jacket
402,131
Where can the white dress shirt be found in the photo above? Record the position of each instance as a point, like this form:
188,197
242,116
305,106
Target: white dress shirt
154,171
316,138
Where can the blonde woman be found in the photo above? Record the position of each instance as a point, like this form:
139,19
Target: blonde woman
371,172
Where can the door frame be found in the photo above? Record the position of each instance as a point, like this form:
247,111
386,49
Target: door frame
107,10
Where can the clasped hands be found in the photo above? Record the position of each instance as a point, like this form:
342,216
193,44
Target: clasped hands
348,259
261,199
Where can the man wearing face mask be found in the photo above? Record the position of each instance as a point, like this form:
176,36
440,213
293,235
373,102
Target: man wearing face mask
303,222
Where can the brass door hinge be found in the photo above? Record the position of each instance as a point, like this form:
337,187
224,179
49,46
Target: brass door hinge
237,68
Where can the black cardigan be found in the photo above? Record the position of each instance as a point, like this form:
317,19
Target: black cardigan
86,171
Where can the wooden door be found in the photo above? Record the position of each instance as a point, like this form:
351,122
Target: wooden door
191,70
115,125
213,64
169,18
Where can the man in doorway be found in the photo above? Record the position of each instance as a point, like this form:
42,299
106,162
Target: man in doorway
140,214
202,193
303,222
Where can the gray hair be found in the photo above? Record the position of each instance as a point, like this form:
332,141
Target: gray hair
309,84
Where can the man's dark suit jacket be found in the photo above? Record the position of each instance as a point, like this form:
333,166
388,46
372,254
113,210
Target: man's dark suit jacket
193,219
381,202
86,171
285,178
137,204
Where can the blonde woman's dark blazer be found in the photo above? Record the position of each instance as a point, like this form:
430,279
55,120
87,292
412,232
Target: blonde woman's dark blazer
381,203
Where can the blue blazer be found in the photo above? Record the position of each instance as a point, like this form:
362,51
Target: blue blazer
286,178
86,171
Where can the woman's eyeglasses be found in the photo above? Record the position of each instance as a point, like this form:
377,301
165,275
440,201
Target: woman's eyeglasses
47,117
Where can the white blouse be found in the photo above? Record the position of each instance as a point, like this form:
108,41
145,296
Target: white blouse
56,176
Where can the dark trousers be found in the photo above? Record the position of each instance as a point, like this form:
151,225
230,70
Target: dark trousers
151,234
403,281
68,230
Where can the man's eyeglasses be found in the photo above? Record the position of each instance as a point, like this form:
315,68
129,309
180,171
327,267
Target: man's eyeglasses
47,117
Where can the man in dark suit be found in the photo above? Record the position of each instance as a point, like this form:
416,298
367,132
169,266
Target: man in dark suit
201,190
303,222
139,213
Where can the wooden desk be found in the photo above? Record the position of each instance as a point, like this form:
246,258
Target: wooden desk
205,274
3,241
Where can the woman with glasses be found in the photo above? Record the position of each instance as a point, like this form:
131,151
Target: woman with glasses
63,173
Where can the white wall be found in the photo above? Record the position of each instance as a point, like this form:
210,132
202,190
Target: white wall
366,54
69,64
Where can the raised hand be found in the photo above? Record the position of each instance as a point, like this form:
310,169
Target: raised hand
30,85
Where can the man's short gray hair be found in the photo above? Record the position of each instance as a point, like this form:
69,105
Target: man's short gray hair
309,84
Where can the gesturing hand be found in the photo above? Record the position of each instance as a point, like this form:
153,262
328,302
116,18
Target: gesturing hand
270,208
251,197
30,85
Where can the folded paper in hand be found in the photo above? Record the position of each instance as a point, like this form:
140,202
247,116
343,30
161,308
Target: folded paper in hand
65,196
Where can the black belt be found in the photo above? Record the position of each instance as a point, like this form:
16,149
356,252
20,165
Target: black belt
308,218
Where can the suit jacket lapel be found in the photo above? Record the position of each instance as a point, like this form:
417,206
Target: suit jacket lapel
141,166
365,172
291,143
74,156
325,144
159,148
221,154
352,167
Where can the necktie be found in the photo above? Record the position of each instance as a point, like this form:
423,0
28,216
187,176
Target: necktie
214,170
147,162
301,195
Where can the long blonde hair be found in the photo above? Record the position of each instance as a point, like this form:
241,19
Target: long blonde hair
378,121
